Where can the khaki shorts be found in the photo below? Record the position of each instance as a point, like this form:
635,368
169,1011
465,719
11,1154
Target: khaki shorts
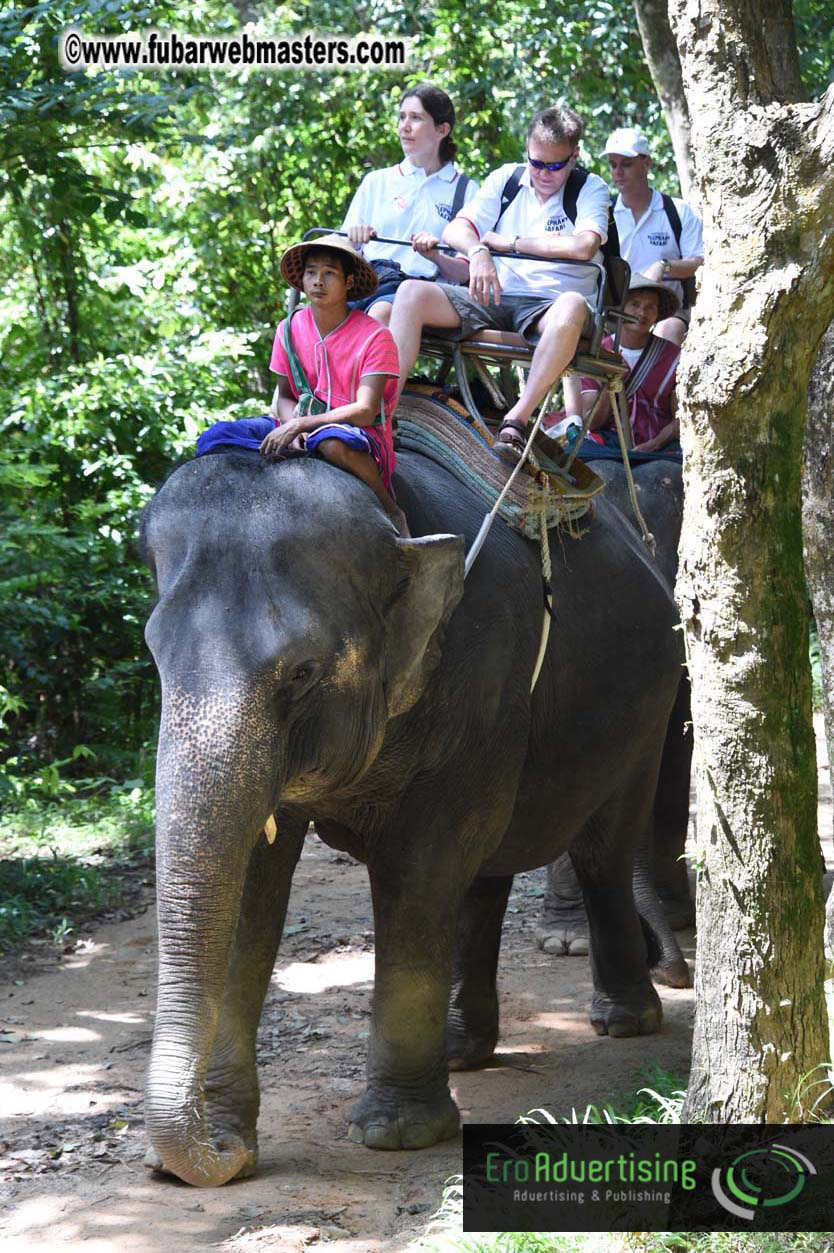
515,313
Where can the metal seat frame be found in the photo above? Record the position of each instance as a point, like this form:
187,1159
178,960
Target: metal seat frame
590,360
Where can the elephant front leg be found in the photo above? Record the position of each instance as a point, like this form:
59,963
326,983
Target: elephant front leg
472,1025
231,1092
407,1103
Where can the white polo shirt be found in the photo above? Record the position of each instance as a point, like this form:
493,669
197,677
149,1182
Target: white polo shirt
527,216
651,237
400,202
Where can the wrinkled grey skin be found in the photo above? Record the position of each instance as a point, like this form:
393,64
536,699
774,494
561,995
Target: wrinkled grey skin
563,929
315,666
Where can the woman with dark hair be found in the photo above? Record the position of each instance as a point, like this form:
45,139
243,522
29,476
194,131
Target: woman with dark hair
412,200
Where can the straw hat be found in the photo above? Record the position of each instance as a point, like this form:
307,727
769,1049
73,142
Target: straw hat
667,299
365,281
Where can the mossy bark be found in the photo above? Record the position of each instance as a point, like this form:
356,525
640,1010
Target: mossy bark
766,296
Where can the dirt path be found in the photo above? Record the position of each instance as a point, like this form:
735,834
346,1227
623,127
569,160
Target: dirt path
74,1046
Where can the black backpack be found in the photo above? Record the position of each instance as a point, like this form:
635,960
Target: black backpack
671,211
615,272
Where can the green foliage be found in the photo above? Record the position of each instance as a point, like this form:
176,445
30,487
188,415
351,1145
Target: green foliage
65,850
37,894
537,55
660,1101
58,172
815,41
80,453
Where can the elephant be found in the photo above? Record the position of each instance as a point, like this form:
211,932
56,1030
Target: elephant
563,928
316,667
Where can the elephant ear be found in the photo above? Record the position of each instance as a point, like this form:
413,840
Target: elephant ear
429,586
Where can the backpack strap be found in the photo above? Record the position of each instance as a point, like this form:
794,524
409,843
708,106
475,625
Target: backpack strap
511,189
671,210
611,247
576,180
687,284
460,191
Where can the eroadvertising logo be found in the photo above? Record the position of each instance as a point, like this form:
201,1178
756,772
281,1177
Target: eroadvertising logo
748,1177
535,1177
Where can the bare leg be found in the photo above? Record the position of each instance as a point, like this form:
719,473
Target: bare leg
672,329
416,305
363,466
380,311
572,385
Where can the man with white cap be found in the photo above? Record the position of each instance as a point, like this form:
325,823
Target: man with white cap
660,237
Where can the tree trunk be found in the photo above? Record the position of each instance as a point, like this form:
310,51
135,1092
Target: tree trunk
766,297
818,535
664,64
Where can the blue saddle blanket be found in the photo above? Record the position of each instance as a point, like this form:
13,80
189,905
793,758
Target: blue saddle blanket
590,450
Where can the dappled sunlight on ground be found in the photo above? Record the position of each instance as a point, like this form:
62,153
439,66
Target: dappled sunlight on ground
84,956
62,1091
336,970
67,1035
99,1016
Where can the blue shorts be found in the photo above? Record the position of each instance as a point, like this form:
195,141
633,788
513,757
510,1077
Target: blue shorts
353,436
251,432
240,433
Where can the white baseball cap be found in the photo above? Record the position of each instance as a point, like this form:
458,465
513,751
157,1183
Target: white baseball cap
627,142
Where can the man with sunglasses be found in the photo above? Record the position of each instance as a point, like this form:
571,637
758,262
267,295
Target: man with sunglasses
549,305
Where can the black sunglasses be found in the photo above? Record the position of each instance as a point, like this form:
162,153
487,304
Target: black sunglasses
551,166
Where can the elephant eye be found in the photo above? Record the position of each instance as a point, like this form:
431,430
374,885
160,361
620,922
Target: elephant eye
301,673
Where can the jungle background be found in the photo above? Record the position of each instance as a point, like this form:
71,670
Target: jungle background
142,219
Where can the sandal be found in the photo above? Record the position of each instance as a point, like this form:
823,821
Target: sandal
511,440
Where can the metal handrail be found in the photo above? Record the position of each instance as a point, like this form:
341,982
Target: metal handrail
502,256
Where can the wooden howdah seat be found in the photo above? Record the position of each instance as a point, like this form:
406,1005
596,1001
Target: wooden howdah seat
503,350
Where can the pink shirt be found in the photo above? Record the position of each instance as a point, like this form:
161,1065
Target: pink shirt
334,365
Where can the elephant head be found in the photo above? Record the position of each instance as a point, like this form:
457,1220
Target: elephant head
291,626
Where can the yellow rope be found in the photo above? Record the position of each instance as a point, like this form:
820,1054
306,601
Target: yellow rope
546,573
617,395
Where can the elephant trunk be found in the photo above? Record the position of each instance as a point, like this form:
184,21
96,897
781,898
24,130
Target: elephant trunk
216,784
